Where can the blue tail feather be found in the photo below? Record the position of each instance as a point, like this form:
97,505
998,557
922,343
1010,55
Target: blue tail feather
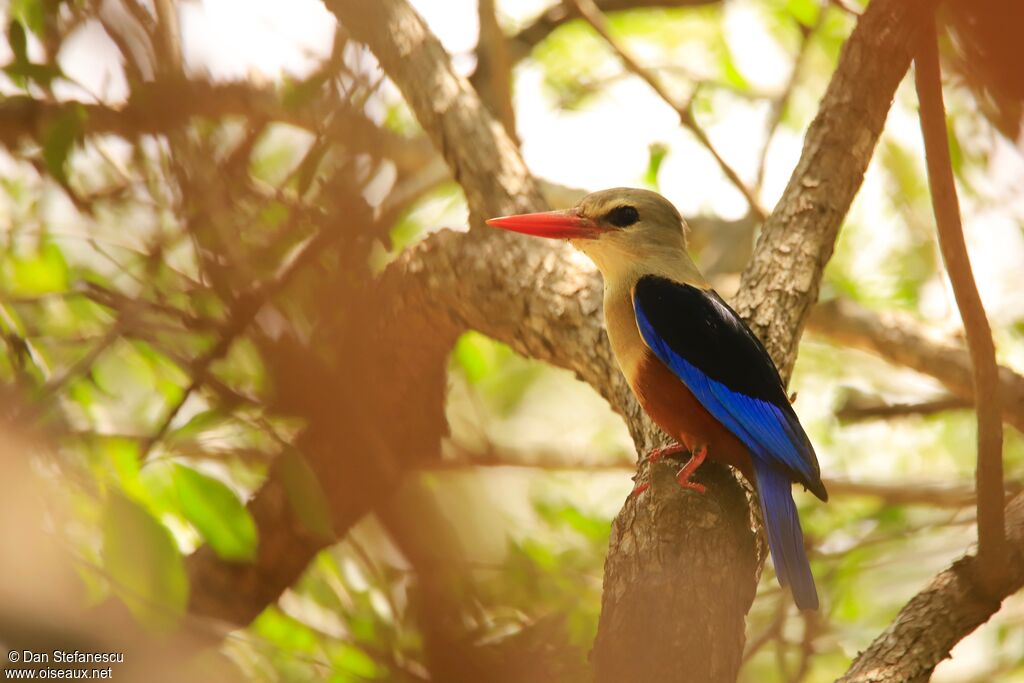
785,538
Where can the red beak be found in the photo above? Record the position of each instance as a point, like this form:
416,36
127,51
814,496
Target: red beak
553,224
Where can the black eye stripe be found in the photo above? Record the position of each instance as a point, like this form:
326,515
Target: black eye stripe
622,216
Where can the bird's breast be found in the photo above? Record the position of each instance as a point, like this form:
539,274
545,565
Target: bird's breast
623,334
674,408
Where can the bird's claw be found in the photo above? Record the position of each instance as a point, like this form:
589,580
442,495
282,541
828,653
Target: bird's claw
657,454
683,476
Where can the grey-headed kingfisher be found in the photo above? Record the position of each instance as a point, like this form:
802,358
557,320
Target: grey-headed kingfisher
693,364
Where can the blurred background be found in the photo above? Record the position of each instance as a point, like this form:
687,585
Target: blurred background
178,186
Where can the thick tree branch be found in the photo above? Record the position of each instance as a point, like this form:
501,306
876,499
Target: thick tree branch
781,283
546,303
953,604
905,343
984,371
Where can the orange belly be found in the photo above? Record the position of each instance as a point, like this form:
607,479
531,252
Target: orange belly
680,415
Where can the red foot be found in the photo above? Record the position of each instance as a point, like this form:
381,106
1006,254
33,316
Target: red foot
690,467
659,453
683,477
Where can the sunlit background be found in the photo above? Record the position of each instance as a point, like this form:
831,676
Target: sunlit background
537,464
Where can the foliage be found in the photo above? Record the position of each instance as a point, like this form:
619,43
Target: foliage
167,307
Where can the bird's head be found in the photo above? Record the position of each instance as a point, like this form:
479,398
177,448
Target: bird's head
613,227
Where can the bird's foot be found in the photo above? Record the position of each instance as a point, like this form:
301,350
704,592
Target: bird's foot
658,453
683,477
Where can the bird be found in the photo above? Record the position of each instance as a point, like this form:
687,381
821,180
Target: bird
693,364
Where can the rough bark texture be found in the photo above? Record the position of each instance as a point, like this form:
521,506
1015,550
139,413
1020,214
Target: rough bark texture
781,283
904,343
952,605
660,562
545,302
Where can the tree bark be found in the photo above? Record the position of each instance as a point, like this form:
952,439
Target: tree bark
660,577
546,304
904,343
984,370
781,283
953,604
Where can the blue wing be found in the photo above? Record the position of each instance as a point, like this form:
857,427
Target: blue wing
718,358
695,334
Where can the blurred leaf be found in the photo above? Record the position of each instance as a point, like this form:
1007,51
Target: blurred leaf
274,214
215,511
305,494
804,11
42,272
498,373
956,154
30,12
475,355
287,633
18,42
593,528
730,72
299,94
906,170
354,660
143,560
60,140
656,154
199,423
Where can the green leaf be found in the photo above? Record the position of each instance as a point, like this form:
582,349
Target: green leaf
142,559
199,423
217,513
730,72
43,272
354,660
29,12
804,11
305,494
475,355
60,140
18,42
656,155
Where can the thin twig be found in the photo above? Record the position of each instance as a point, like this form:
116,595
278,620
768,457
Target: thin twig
992,548
593,16
243,313
780,103
904,341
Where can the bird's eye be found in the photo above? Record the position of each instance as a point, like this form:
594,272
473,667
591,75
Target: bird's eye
623,216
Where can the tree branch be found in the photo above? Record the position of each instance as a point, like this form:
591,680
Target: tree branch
782,281
528,38
857,407
546,305
954,603
992,551
592,15
904,343
159,107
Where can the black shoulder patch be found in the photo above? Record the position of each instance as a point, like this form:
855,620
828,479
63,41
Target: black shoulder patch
699,326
